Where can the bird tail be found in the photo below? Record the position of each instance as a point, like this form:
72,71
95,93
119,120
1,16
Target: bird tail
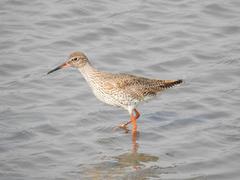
170,83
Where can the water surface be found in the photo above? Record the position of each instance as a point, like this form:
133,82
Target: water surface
52,127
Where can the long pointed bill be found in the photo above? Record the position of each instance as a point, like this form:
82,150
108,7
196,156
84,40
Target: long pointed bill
64,65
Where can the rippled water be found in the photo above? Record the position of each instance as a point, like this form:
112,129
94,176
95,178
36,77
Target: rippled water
52,127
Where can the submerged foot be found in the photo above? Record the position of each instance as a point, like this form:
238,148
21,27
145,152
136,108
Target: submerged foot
122,126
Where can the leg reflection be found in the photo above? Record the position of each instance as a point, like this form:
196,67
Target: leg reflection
135,145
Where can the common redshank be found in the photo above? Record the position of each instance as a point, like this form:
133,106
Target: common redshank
123,90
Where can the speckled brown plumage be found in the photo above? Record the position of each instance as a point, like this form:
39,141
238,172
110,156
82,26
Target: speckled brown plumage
136,86
124,90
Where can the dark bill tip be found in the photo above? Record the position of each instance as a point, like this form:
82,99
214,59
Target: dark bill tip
64,65
55,69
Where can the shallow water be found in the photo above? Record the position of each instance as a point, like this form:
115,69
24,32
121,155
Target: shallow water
52,127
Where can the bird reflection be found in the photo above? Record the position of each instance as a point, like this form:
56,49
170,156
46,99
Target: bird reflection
130,163
134,158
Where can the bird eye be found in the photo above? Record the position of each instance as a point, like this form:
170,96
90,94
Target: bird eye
75,59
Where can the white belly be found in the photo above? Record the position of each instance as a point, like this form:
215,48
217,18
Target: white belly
106,98
109,96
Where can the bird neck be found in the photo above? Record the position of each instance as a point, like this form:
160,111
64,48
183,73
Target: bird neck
88,71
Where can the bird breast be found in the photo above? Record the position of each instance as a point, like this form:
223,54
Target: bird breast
108,96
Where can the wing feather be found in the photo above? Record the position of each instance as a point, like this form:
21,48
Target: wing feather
138,87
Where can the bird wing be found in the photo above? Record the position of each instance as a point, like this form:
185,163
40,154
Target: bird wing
139,87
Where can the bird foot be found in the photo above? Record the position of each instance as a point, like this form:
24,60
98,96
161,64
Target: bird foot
122,126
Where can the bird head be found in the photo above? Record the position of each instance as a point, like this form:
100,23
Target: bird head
76,59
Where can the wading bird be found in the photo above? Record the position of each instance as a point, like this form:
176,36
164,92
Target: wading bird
123,90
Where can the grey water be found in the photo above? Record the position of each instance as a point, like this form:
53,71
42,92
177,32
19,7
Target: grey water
52,127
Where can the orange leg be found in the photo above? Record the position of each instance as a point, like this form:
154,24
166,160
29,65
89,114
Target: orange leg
136,117
137,114
134,123
133,120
